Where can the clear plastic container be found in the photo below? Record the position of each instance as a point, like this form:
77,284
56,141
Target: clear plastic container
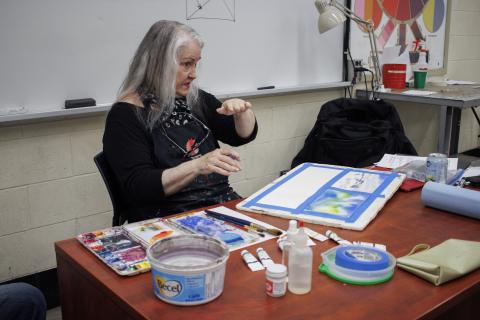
300,260
276,280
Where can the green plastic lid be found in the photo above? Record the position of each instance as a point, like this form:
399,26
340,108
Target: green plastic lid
323,268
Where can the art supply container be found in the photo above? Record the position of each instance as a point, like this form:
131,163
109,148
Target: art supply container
394,75
419,78
188,269
358,265
436,168
276,280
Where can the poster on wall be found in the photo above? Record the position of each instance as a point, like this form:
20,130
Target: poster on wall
409,25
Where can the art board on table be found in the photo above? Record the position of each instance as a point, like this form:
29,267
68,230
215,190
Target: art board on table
330,195
123,248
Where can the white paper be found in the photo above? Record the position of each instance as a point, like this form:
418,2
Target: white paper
359,181
471,172
418,92
460,82
300,187
233,213
393,161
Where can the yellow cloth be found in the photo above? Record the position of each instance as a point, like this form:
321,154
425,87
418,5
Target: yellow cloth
447,261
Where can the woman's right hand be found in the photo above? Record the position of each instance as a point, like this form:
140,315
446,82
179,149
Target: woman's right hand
223,161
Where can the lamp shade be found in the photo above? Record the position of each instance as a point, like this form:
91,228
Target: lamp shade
329,17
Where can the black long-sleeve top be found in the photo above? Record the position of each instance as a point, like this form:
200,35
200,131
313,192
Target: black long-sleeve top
139,156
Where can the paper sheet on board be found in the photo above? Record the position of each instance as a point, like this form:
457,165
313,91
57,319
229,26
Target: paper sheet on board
325,194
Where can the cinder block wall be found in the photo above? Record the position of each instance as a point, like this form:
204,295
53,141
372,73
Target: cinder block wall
50,189
464,61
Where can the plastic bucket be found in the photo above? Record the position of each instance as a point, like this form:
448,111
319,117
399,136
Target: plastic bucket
394,75
188,269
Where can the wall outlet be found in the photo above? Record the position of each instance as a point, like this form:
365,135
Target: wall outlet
352,65
357,62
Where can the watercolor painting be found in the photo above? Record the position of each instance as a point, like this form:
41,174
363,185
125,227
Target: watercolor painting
199,223
150,231
339,203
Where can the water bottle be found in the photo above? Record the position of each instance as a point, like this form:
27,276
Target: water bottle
436,168
300,264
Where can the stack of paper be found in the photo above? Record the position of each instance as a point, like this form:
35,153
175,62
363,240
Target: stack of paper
392,161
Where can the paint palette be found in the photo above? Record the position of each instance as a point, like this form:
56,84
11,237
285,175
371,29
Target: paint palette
123,248
117,249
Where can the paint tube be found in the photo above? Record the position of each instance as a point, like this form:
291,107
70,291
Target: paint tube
264,257
251,261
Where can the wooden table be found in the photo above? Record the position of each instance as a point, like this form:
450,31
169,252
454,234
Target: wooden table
90,290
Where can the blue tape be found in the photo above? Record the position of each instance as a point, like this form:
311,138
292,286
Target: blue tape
303,208
361,258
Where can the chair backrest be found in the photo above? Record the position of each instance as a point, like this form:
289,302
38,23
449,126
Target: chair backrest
113,188
354,133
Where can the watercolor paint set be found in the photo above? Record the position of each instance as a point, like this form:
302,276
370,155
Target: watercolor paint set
123,248
117,249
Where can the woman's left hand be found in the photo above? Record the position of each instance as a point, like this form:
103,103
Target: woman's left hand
234,106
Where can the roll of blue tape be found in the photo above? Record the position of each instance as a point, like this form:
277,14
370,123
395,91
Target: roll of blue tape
361,258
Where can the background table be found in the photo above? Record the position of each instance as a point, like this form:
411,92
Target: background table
450,100
90,290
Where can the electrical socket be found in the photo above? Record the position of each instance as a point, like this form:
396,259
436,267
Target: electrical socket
357,62
352,66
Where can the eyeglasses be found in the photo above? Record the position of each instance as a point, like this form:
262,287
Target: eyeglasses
189,153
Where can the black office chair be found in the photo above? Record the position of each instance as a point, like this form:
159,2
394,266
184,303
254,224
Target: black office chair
119,207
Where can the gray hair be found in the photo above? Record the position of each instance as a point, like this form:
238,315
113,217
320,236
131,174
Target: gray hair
154,67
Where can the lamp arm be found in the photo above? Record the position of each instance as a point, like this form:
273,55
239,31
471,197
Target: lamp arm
376,63
371,37
348,12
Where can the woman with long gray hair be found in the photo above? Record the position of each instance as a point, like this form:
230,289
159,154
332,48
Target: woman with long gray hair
161,136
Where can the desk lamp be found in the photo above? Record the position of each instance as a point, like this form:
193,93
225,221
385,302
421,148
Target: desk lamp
332,13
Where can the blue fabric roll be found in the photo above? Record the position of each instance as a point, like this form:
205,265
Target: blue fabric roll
454,199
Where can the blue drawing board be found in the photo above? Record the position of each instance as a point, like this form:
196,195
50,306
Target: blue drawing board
324,194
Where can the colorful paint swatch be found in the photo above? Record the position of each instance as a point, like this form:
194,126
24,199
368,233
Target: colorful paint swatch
369,10
433,15
385,34
403,10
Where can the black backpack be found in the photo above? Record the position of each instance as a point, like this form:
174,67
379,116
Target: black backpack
354,133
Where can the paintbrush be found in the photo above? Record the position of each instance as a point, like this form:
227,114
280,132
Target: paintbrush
243,223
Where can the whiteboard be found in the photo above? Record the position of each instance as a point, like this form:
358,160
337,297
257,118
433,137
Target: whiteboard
54,50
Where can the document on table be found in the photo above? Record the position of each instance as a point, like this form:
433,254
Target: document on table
418,92
460,82
392,161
